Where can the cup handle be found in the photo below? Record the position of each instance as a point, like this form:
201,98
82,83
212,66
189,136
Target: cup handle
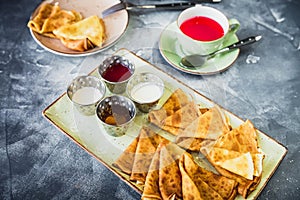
234,26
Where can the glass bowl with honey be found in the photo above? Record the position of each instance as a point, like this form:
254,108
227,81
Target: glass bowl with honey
116,113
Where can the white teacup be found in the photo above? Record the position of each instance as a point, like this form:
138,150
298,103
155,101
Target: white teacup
192,45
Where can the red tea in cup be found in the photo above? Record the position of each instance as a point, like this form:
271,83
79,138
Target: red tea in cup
202,28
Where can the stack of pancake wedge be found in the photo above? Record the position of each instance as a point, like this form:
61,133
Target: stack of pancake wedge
236,155
136,159
203,130
199,183
167,171
233,152
73,31
176,113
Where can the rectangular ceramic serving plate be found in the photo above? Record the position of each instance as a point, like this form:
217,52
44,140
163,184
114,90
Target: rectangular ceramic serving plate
89,134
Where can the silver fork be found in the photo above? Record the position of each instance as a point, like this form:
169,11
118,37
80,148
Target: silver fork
170,6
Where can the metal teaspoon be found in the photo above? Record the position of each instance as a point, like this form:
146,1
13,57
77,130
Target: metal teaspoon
197,60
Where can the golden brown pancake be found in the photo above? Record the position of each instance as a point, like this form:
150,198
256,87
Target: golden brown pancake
74,32
151,189
242,139
208,126
125,161
91,28
145,150
169,174
225,187
181,118
245,186
236,155
177,100
51,17
233,161
77,45
189,188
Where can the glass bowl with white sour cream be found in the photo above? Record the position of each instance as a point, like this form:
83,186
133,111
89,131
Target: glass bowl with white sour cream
145,89
85,92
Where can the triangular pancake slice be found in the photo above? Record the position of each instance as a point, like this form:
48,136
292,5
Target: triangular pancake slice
177,100
169,173
182,117
151,189
91,28
125,161
226,187
189,188
156,117
216,156
145,150
208,126
242,139
196,188
233,161
241,165
245,186
239,146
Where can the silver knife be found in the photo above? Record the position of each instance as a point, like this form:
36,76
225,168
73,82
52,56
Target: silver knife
169,6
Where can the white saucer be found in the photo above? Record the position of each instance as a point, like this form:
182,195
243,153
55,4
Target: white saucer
172,53
115,24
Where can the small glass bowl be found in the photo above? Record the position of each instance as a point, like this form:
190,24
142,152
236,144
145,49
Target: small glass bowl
116,80
85,92
116,113
145,89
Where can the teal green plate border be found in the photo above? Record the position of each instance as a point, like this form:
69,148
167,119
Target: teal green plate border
172,53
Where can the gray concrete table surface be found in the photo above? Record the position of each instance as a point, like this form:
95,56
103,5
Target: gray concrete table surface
37,161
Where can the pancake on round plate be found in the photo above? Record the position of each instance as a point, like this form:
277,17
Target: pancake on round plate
73,31
51,17
91,31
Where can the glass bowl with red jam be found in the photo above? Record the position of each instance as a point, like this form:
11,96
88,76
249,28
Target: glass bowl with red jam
116,71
